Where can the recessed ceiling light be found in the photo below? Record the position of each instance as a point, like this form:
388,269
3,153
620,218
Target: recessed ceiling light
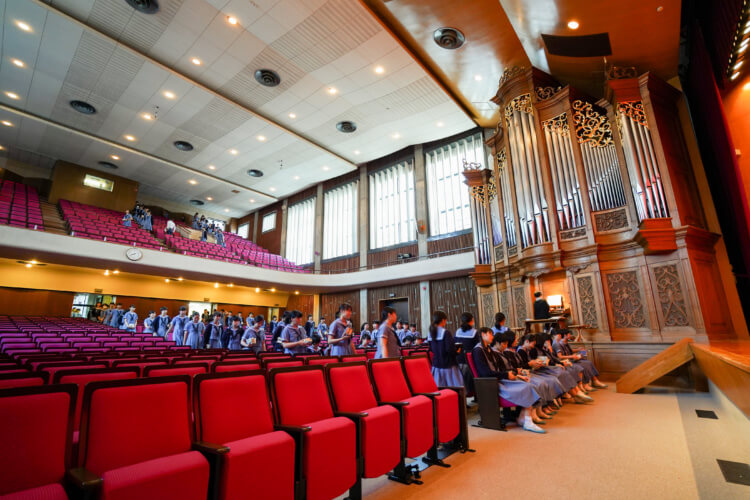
195,61
252,201
272,189
211,167
166,280
379,70
292,116
12,95
216,285
106,272
396,135
28,265
261,138
440,124
209,198
234,152
226,210
18,63
478,78
114,157
129,138
333,90
23,26
193,182
356,151
257,290
573,25
115,272
273,289
1,147
325,167
296,292
147,116
232,20
179,279
296,177
231,285
733,77
168,94
7,123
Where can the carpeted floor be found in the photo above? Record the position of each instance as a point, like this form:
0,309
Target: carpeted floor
621,447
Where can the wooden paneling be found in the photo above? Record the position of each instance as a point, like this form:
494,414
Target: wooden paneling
655,367
248,219
272,239
453,244
330,302
387,257
302,195
67,184
341,179
408,291
454,296
730,373
340,265
23,302
302,303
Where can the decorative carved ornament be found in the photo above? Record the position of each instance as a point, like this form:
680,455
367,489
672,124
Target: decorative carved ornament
591,126
544,93
510,73
625,299
521,103
587,300
573,233
502,159
671,298
512,250
504,305
481,190
499,253
609,221
621,72
488,307
558,124
519,299
633,110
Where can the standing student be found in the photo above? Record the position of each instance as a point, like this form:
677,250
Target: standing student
220,238
116,318
272,324
106,315
196,221
310,325
149,323
445,369
214,331
254,338
171,227
234,334
177,326
276,334
147,220
194,332
162,323
340,333
294,338
129,320
323,327
469,337
385,338
127,219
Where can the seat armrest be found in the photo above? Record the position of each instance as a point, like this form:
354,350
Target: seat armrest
209,448
351,415
427,394
83,483
397,404
292,429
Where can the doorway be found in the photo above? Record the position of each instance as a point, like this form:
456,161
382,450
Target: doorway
401,305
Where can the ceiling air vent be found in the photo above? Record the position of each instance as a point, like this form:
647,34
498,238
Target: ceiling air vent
183,145
346,127
448,38
267,77
106,164
144,6
254,173
596,45
83,107
197,203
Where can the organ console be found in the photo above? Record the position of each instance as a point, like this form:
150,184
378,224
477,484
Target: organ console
595,200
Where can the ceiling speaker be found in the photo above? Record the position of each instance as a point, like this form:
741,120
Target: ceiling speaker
144,6
596,45
267,77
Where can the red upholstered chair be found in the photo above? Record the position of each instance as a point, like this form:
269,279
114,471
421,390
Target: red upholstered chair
275,363
235,366
350,358
379,427
449,404
190,369
390,387
22,378
242,443
136,441
35,429
320,360
302,406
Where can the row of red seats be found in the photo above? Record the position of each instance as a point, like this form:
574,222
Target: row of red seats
19,206
144,437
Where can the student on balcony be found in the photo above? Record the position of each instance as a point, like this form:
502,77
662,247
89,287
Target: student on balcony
127,219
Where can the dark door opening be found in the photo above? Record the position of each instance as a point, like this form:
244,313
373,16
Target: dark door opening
401,306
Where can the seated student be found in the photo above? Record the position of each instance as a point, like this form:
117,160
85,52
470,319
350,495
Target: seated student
315,347
469,337
445,369
561,334
116,318
407,341
398,329
386,339
171,227
539,365
254,338
365,328
365,340
194,332
162,323
214,332
418,341
149,323
413,331
294,338
512,388
127,219
177,326
233,334
544,349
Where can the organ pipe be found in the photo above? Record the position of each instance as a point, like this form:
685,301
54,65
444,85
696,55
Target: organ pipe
565,183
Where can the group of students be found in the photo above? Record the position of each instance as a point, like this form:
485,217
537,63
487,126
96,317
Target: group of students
201,223
141,215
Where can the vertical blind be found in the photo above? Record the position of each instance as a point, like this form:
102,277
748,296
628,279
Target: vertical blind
300,230
392,205
340,221
243,230
447,195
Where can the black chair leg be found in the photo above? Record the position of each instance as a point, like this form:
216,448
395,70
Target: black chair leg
355,492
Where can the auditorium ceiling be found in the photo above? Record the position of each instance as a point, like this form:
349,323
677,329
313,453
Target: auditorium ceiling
188,73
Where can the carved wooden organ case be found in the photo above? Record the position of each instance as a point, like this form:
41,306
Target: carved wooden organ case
596,198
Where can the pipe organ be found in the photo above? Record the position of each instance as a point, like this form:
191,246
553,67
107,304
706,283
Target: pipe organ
595,200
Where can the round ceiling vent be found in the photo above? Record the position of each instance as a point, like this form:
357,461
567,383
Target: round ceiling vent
106,164
449,38
197,203
254,173
83,107
267,77
183,145
145,6
346,127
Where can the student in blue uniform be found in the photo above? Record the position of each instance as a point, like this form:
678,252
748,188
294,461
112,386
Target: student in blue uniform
544,350
254,338
340,333
323,327
196,221
220,238
129,320
294,338
365,340
310,325
315,347
214,331
194,332
398,329
162,323
177,326
385,338
562,335
499,326
364,329
204,229
234,334
150,323
127,219
147,220
116,318
445,369
276,334
469,337
106,315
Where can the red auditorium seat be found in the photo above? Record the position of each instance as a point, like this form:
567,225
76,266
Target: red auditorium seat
379,427
321,360
243,442
269,363
349,358
233,366
489,406
35,430
302,406
22,378
390,387
136,441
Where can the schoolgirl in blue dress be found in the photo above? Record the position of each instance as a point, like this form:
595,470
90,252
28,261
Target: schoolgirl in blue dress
150,323
445,369
162,323
194,332
234,334
340,333
294,337
177,326
214,331
147,220
469,337
127,219
129,320
116,318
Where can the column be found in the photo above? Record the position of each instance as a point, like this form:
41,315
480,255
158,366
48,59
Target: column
363,313
255,227
364,220
318,239
284,205
420,188
425,308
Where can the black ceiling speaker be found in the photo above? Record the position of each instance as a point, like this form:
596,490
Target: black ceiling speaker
254,173
183,145
144,6
346,127
83,107
596,45
448,38
106,164
197,203
267,77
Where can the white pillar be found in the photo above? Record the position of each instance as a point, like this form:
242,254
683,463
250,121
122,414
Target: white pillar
424,305
364,219
318,237
284,205
421,202
363,313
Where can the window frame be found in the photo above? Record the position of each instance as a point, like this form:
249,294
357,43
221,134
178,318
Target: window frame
275,214
311,200
410,163
355,220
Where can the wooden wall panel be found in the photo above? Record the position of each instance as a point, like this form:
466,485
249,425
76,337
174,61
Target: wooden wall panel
346,264
454,296
302,303
67,184
302,195
272,239
341,179
23,302
387,257
454,244
249,219
409,291
330,302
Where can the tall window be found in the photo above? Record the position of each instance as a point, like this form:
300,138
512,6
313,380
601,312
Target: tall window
447,195
300,230
269,222
392,205
243,230
340,221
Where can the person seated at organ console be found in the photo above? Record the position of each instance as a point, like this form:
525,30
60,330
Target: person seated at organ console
560,336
